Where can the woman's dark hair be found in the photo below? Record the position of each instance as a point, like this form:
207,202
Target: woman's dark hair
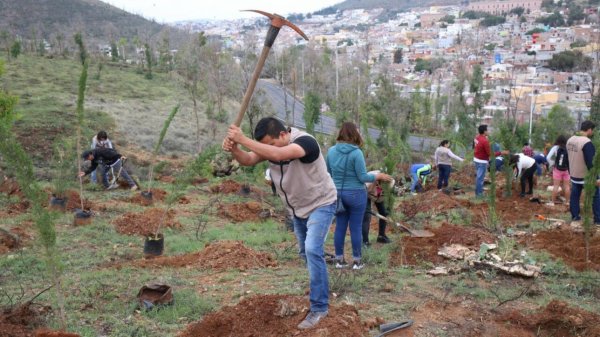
561,141
444,142
268,126
349,134
514,158
102,135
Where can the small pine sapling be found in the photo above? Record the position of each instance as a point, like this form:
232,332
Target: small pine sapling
590,188
492,217
161,137
80,100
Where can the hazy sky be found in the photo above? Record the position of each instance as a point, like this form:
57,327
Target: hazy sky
176,10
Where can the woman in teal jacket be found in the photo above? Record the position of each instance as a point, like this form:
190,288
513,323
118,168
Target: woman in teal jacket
346,165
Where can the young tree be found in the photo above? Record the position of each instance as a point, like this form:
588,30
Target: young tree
312,110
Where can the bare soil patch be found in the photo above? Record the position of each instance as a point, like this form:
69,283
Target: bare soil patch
52,333
412,250
220,255
275,316
157,195
21,320
248,211
73,201
13,239
227,186
145,223
556,319
568,246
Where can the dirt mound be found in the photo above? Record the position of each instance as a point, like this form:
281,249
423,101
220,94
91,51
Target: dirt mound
145,223
51,333
12,239
556,319
248,211
275,316
73,201
218,255
10,187
227,186
413,251
567,245
422,203
157,195
21,320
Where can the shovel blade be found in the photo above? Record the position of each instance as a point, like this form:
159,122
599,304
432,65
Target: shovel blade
417,233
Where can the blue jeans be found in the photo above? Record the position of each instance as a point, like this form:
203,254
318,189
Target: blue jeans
444,175
355,202
311,234
576,190
480,168
115,171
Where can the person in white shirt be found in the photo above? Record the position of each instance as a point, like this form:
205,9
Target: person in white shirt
443,161
526,167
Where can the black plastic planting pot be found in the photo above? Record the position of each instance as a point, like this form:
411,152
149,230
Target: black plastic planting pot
154,246
146,198
82,217
58,204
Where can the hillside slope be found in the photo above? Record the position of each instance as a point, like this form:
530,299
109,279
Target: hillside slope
130,107
99,21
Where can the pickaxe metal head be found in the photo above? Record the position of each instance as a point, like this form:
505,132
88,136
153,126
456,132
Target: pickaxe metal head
277,21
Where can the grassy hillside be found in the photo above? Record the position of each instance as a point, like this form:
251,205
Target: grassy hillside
129,106
99,21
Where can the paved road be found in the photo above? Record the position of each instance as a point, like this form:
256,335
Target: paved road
275,95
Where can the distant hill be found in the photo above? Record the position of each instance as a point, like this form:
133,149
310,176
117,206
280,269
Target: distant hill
100,22
398,5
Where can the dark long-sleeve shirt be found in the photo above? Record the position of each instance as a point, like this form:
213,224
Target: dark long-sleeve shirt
105,156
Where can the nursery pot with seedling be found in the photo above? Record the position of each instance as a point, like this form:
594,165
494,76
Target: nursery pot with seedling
82,217
58,204
154,245
146,198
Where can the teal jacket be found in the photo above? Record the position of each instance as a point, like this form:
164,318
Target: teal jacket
355,168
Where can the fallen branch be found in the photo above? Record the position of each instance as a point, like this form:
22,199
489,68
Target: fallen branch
523,292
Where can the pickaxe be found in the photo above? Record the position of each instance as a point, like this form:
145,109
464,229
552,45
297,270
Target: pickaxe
277,21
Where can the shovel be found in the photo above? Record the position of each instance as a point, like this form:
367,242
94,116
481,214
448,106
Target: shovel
391,327
417,233
113,183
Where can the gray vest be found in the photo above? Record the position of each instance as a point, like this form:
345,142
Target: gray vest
303,187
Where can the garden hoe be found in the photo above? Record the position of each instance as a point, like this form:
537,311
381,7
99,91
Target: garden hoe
417,233
277,22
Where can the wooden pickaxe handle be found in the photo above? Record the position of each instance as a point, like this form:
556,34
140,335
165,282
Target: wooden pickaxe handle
277,21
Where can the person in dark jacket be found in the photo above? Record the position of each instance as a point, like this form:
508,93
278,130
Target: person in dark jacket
111,159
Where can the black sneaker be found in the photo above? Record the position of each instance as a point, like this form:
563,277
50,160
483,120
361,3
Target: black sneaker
522,195
367,244
357,265
383,239
340,264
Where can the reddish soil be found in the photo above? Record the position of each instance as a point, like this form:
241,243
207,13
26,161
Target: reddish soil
21,320
230,186
51,333
10,187
248,211
157,195
227,186
511,210
467,319
275,316
413,251
166,179
568,246
13,240
556,319
218,255
73,201
145,223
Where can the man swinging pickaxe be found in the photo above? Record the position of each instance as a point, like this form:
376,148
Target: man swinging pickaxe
277,22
